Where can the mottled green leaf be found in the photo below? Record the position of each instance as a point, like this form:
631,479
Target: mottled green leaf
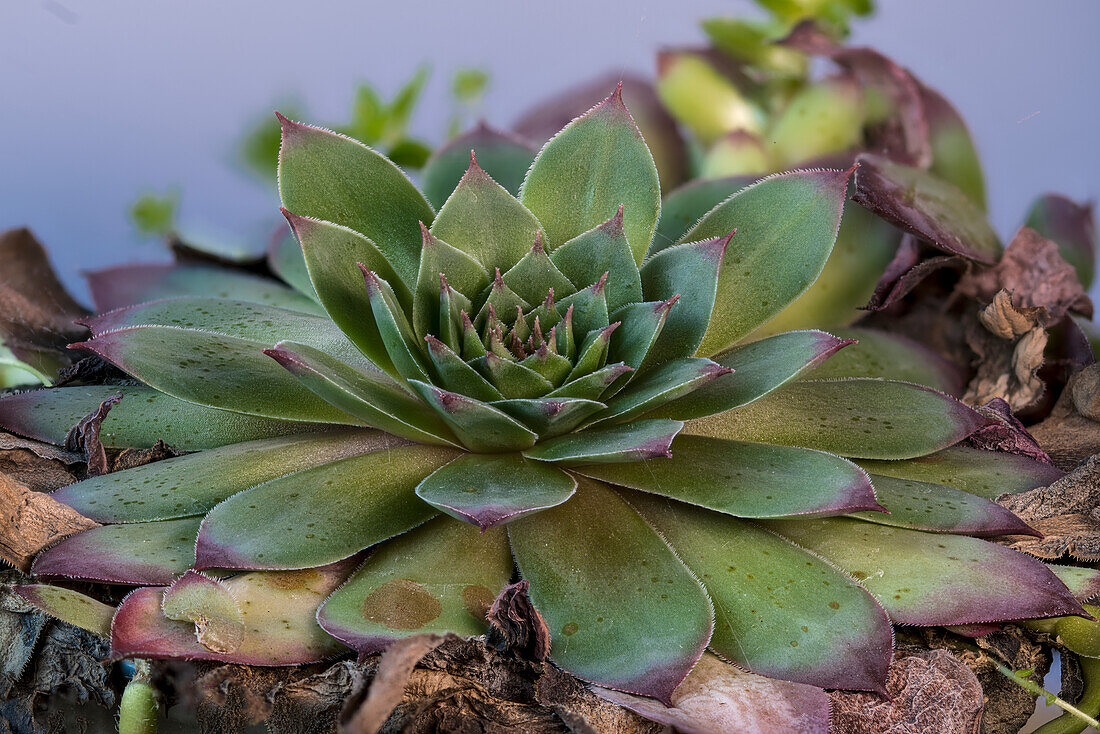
136,553
139,420
320,515
441,578
208,604
326,176
215,371
932,578
125,285
584,173
492,489
786,226
984,473
485,221
332,253
860,417
278,609
747,479
602,249
941,509
779,611
504,156
479,426
621,608
636,441
232,318
758,368
370,396
191,485
890,356
928,206
69,606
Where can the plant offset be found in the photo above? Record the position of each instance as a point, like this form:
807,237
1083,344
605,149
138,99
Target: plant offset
533,388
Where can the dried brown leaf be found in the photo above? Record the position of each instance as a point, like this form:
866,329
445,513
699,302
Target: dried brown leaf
31,521
388,687
1067,513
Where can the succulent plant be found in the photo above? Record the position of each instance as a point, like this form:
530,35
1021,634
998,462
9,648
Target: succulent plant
534,388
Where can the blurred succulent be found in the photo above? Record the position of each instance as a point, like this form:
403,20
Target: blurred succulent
533,388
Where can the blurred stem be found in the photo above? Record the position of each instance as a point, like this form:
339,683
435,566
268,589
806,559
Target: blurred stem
1073,717
1089,705
137,714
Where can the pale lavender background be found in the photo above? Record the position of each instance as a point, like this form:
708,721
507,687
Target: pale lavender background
102,99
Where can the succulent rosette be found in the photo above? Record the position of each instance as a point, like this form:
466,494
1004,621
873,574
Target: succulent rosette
535,388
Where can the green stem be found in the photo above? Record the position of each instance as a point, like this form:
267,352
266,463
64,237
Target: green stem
137,714
1088,706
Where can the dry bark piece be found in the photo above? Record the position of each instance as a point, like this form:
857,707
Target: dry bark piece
31,521
516,626
928,691
366,716
1068,433
1067,513
1033,271
1010,343
42,467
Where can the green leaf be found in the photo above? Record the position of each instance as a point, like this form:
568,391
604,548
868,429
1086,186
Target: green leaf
940,509
602,249
786,226
954,155
640,325
689,272
191,485
500,300
534,276
331,254
181,363
479,426
864,247
984,473
513,380
823,118
919,202
889,356
663,384
737,153
758,368
404,349
370,396
747,479
621,608
322,514
134,553
931,578
439,578
69,606
686,205
779,611
326,176
589,307
585,172
636,441
457,376
485,221
278,610
493,489
125,285
703,99
504,156
438,262
232,318
550,416
592,385
144,416
286,260
865,418
551,366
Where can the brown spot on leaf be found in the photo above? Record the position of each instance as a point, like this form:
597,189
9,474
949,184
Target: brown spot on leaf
290,580
401,604
477,599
